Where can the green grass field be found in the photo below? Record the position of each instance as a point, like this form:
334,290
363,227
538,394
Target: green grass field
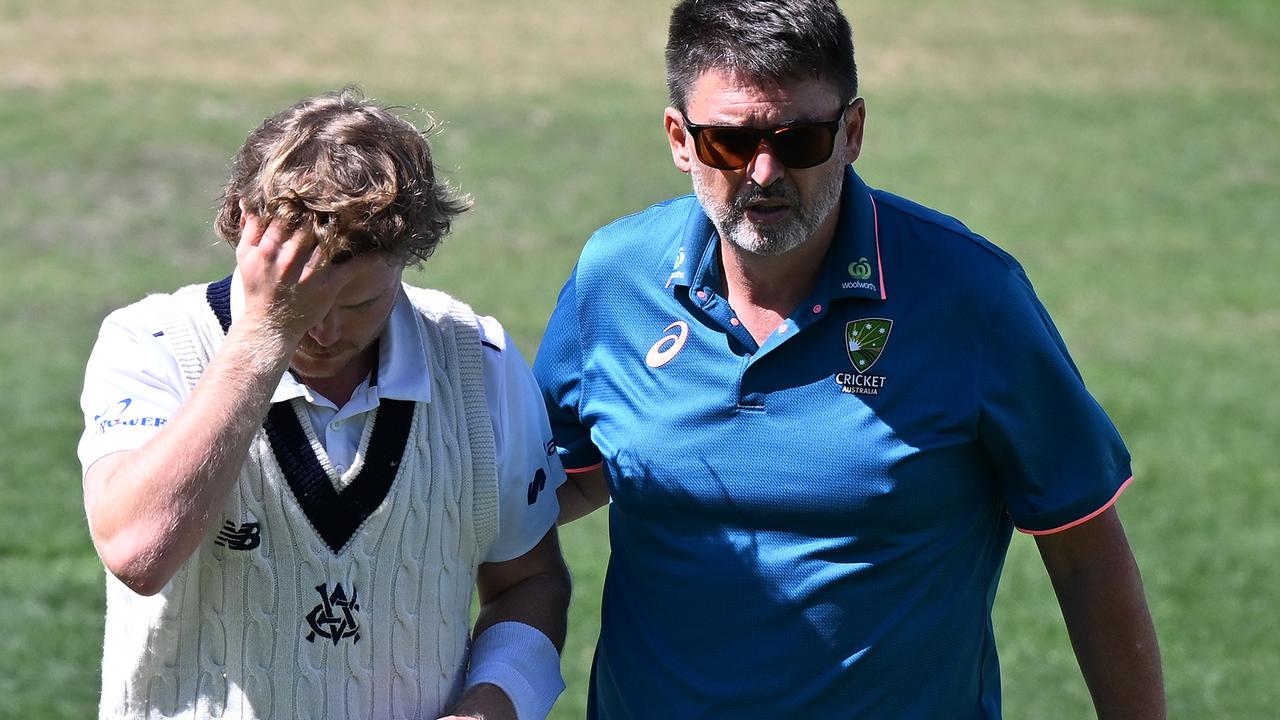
1128,152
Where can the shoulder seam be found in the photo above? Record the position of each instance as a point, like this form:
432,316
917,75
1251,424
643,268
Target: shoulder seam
890,200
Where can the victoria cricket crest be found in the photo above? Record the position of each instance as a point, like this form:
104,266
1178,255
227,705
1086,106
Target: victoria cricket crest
335,617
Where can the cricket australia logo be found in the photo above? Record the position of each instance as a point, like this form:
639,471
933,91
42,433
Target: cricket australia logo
865,340
335,617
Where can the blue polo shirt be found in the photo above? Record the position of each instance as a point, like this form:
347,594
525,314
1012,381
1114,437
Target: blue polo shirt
816,526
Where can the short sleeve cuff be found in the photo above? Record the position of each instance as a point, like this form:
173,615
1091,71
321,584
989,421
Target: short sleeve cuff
1065,521
580,457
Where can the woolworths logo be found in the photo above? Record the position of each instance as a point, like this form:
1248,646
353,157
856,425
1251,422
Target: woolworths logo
860,270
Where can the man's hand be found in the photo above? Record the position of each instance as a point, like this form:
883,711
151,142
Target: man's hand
287,289
483,702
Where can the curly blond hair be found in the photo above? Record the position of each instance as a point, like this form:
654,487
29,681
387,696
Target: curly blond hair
358,174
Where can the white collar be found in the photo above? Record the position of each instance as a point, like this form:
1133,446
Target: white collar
404,368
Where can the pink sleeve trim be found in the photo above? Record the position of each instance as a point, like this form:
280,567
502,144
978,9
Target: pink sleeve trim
1084,519
875,214
589,468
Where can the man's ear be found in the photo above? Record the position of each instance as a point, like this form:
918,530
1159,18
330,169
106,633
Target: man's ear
855,121
681,152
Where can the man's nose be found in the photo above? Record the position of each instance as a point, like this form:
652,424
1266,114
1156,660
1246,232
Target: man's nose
765,168
327,331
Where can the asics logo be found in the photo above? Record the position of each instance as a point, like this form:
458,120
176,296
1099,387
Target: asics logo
665,350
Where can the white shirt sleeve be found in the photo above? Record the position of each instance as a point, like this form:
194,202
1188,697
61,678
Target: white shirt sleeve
529,471
132,387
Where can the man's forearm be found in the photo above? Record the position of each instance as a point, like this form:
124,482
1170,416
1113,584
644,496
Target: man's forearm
515,662
1115,643
583,492
539,601
1100,591
519,634
149,508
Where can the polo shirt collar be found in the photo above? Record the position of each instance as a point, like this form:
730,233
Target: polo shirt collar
694,247
404,371
853,266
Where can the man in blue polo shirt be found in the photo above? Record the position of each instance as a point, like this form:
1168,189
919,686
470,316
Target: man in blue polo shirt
820,410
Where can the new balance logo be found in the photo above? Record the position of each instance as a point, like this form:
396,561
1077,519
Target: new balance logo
538,484
245,537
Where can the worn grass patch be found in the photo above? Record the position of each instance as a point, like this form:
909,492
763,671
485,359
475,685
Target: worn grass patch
505,47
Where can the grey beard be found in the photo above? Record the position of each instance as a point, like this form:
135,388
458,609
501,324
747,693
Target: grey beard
776,239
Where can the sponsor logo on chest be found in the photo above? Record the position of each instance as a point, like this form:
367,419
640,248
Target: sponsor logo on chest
669,345
860,272
244,537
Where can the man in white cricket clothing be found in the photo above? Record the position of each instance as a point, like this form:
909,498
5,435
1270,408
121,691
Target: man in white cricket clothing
296,476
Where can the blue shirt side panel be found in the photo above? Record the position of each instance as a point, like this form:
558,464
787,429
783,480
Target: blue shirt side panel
558,369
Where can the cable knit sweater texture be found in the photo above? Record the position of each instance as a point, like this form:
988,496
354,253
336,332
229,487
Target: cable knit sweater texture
295,607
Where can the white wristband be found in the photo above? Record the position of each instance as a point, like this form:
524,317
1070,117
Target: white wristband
523,662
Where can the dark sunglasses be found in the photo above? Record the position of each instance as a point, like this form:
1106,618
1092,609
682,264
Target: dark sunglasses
796,145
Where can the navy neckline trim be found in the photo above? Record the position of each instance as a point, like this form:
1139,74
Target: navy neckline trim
335,516
219,296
